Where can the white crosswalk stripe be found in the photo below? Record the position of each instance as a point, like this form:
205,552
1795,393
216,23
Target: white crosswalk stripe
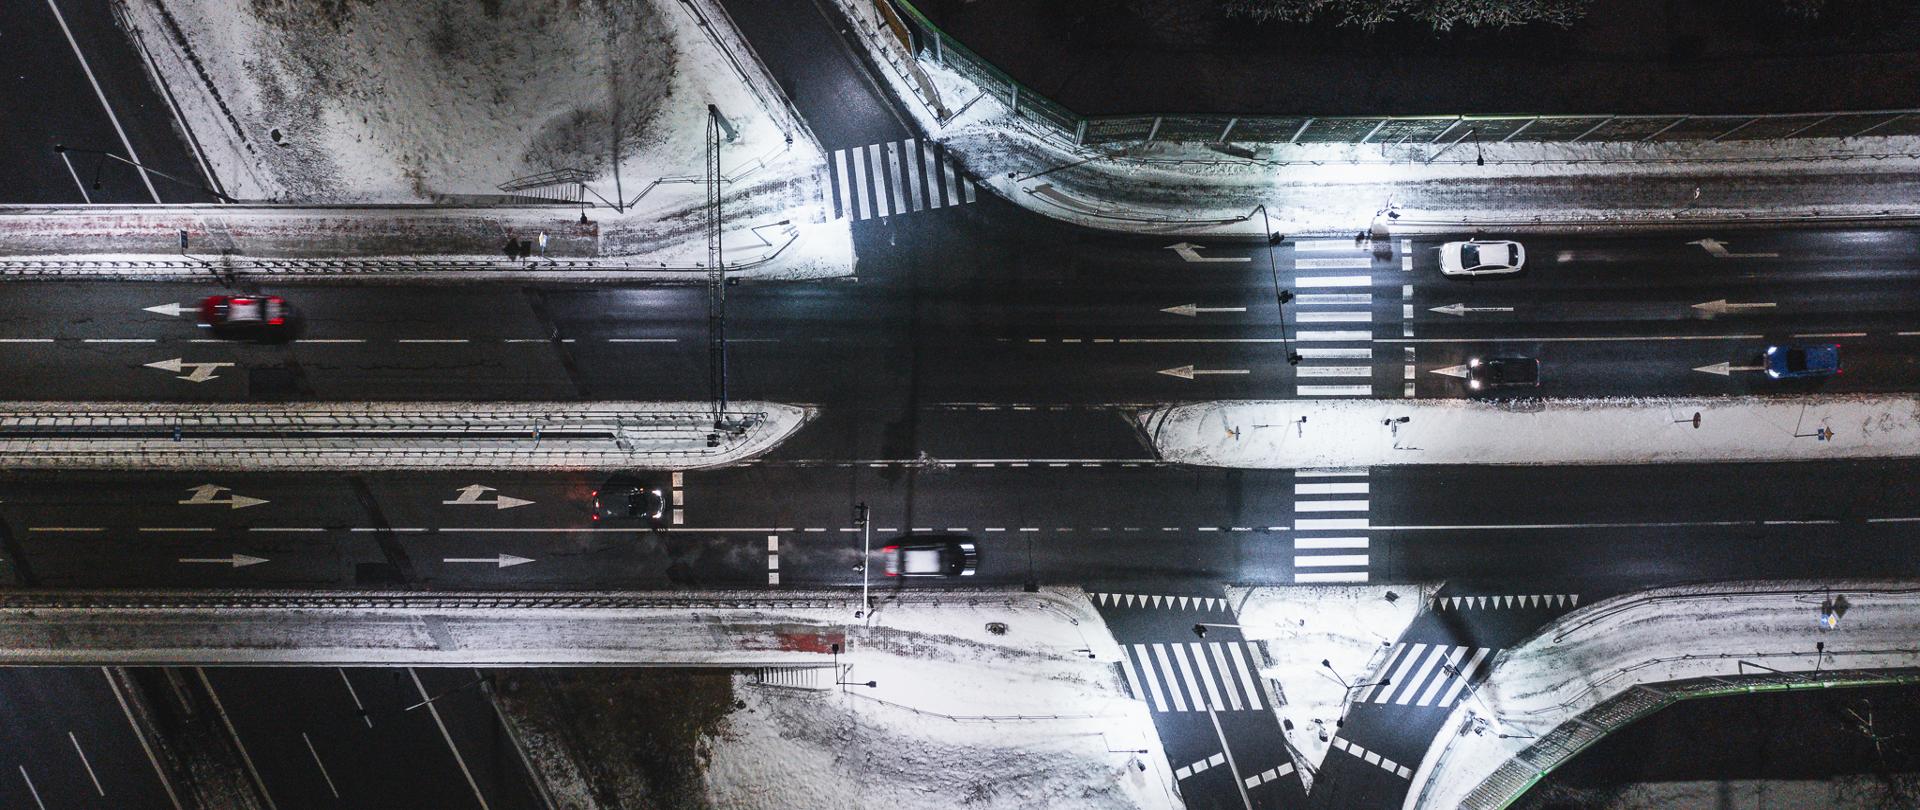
1428,674
1193,676
1327,549
1314,311
897,177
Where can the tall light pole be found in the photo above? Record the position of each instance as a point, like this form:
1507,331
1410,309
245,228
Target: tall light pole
864,519
716,281
1280,296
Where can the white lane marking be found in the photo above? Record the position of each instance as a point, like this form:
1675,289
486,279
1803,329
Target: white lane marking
1334,390
1334,371
31,789
643,340
1173,687
1453,661
1330,506
1332,299
176,528
84,196
1301,543
1317,353
158,772
1341,488
431,340
355,694
1333,317
1466,674
221,710
1420,676
120,340
1333,281
1323,524
285,529
1616,339
321,765
462,761
1323,336
26,340
1331,561
1301,578
1255,697
1830,334
102,95
1145,682
97,788
1652,524
1355,263
1323,245
333,340
66,529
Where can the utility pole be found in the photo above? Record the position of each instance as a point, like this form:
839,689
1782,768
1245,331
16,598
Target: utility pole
864,519
716,280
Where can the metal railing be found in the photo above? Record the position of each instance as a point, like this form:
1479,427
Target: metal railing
930,43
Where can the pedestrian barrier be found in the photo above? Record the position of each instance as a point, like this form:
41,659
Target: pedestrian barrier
928,42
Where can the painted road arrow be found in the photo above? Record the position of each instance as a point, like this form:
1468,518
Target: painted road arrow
173,310
1722,307
1724,369
236,561
204,493
470,496
1189,372
1451,371
498,561
1190,310
200,372
1718,250
1461,310
1191,252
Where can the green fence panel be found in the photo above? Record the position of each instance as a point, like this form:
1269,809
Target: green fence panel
1412,130
1559,128
1119,130
1045,110
1338,130
1494,130
1631,127
1769,128
1192,128
1266,129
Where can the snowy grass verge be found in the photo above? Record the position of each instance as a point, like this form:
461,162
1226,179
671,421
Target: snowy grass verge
1590,655
1283,434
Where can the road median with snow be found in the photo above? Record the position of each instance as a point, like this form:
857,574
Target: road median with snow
1294,434
1599,668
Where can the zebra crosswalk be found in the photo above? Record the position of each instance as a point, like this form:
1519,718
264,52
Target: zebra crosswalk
1330,525
1427,674
896,177
1321,266
1195,676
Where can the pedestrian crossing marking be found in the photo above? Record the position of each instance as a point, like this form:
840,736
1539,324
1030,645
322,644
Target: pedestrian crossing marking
1532,600
1194,676
1421,674
1373,758
896,177
1340,488
1344,263
1333,281
1322,335
1156,601
1334,317
1269,775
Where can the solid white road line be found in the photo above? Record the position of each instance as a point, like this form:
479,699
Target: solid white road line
1334,371
457,758
31,789
1300,543
431,340
158,772
97,788
1311,335
102,95
1354,263
355,694
1331,560
321,765
120,340
1333,281
1333,317
221,710
1326,524
26,340
1610,339
1301,578
1340,488
1332,299
1317,353
1334,390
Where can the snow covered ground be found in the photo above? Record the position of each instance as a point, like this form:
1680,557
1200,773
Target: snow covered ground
1593,654
961,716
1350,628
1195,188
1370,433
310,101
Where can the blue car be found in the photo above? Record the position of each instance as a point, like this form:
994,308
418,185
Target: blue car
1820,360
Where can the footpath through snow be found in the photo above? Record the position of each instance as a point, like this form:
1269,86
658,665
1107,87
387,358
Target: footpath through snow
1213,189
1296,434
1532,704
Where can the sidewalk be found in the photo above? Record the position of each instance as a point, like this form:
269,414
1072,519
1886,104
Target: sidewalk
1599,668
1372,433
1216,189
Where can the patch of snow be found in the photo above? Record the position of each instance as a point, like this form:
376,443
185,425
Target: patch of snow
960,716
1591,655
1373,433
1351,628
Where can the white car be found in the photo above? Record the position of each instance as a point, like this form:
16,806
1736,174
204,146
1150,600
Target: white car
1481,257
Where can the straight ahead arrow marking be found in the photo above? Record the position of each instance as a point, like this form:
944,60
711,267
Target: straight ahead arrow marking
236,561
1723,306
1460,310
498,561
1451,371
1189,372
1190,310
1724,369
172,310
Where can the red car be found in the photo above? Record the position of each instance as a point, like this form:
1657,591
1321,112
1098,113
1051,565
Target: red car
244,313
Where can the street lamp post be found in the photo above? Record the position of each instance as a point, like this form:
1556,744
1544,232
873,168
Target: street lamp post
1280,296
839,678
864,519
63,149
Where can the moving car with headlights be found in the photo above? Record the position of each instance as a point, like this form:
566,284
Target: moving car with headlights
932,557
1502,372
1481,257
239,315
1816,360
626,497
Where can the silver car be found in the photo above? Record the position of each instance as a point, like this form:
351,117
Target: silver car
1481,257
